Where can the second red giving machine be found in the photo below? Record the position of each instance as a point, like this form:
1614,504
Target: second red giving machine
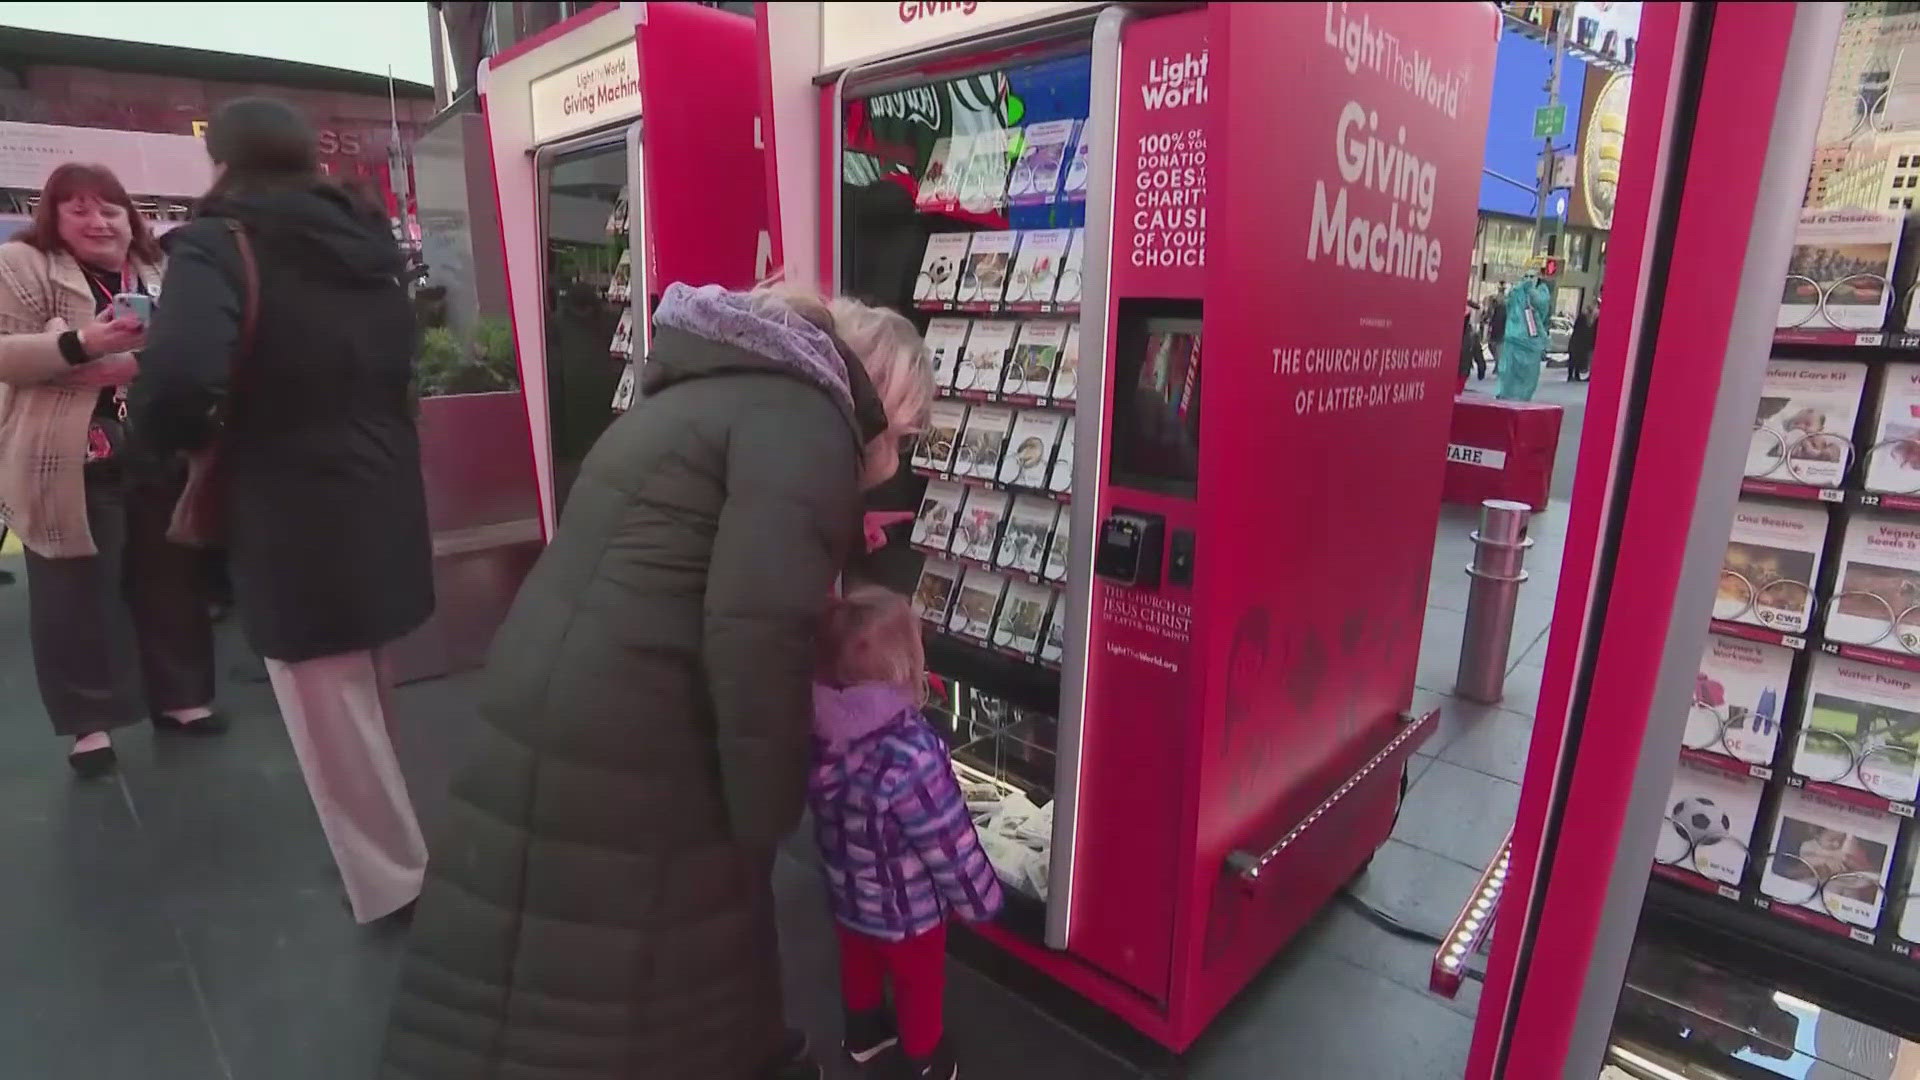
620,164
1190,278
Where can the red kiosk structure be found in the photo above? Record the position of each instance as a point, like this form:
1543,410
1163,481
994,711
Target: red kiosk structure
613,180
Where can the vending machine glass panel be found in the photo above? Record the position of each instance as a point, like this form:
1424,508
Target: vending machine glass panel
588,282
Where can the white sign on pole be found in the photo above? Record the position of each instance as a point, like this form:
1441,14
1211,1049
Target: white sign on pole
599,90
851,31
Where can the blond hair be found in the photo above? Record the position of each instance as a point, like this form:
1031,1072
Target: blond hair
884,341
872,635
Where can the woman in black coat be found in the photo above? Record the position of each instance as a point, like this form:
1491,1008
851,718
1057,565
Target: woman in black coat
326,525
601,905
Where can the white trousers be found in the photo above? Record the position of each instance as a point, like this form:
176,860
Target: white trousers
336,712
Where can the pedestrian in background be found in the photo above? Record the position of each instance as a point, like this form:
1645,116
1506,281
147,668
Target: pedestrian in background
1495,326
326,521
89,505
1580,343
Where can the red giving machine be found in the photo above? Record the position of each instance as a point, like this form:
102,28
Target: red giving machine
1190,278
612,181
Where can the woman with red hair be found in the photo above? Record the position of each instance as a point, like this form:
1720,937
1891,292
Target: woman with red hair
89,508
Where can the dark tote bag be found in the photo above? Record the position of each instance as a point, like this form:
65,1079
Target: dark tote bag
200,517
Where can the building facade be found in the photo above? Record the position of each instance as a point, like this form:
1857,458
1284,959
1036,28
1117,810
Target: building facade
74,81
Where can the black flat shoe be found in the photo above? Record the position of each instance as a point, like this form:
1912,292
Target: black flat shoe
93,764
211,724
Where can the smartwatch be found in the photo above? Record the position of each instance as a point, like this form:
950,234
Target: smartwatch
71,350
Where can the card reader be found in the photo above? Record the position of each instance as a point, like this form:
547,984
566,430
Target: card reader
1129,548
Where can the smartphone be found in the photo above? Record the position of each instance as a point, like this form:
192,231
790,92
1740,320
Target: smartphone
138,306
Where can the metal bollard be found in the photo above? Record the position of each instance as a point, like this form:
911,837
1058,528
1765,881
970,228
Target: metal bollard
1499,553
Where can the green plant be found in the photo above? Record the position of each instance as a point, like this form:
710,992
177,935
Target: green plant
449,364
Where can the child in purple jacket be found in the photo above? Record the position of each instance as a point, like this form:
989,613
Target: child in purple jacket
896,842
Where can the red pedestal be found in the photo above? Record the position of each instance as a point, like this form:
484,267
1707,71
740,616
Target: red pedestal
1501,450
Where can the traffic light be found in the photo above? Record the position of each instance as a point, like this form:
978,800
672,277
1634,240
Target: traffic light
1550,267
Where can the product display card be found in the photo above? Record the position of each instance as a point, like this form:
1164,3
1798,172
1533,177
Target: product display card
1036,355
1709,822
977,530
983,280
983,187
1078,162
939,509
1058,548
617,221
1055,643
1061,478
1066,381
1030,447
1861,729
1907,924
1023,544
944,341
1773,558
933,596
939,278
1893,458
940,184
983,441
1803,431
623,391
1036,269
1877,598
1068,290
1830,857
621,289
985,357
622,343
1837,277
977,603
1036,171
1023,618
1738,699
936,447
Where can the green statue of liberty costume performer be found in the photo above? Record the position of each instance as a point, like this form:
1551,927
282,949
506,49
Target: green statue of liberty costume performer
1529,304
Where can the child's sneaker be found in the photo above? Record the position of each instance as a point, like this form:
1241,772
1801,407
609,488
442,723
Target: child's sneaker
869,1034
940,1065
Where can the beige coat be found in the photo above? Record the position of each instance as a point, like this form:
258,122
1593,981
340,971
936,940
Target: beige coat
43,424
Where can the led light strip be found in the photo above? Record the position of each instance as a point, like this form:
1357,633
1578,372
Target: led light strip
1249,866
1470,928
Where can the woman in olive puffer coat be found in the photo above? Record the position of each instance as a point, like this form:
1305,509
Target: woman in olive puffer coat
600,905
